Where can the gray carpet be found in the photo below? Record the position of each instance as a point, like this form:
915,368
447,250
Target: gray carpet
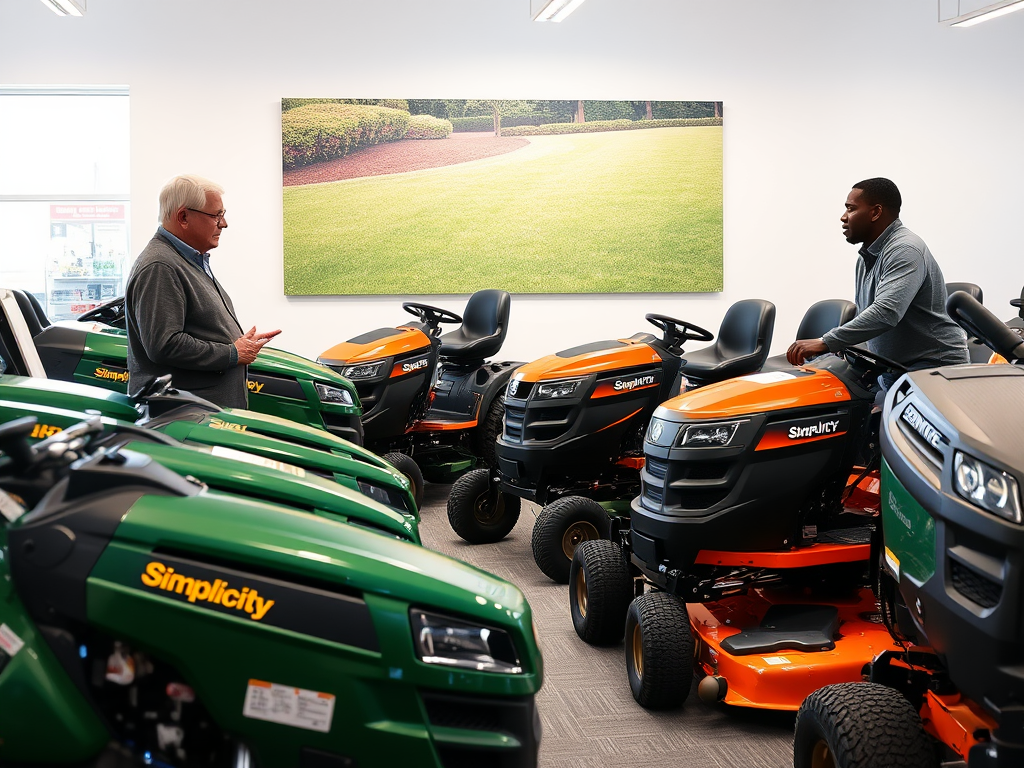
589,717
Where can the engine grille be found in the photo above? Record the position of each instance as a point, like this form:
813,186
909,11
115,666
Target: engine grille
514,716
974,586
514,418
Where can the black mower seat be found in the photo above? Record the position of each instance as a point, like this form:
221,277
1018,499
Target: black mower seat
820,318
483,329
32,311
742,345
971,288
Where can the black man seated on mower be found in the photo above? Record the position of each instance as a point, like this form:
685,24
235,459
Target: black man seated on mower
432,403
752,534
574,425
951,576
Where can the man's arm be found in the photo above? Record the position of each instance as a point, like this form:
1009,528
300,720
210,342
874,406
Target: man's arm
158,306
902,276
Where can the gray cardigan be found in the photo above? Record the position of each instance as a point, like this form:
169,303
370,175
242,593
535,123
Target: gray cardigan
182,322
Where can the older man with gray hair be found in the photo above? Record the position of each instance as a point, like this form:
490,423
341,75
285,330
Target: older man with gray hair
180,319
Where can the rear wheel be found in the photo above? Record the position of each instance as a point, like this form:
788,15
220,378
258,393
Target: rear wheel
600,589
478,511
408,467
659,651
860,725
560,527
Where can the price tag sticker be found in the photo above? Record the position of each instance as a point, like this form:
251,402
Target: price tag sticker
10,508
10,642
297,707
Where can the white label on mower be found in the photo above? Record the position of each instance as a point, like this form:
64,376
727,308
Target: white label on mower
260,461
775,661
10,642
893,562
768,378
286,705
9,508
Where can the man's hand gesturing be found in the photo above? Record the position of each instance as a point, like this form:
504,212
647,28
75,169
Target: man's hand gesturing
251,343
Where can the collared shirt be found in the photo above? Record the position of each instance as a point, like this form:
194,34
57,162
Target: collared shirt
200,260
901,305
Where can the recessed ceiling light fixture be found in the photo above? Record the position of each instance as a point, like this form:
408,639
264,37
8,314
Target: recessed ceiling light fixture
66,7
949,11
554,10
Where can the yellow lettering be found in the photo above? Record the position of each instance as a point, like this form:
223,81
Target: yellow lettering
262,606
227,595
178,583
200,591
254,386
167,577
154,573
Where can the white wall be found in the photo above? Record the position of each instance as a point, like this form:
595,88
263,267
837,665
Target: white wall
818,94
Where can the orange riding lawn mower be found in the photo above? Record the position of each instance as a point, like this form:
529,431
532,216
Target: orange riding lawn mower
951,576
575,424
432,402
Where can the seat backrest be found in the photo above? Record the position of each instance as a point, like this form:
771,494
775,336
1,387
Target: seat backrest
823,316
973,289
35,317
747,329
487,313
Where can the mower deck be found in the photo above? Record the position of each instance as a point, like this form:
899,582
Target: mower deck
773,677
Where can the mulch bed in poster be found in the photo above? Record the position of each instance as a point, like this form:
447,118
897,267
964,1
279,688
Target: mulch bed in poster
406,155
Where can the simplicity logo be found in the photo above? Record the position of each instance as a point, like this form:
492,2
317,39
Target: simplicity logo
410,367
106,373
821,428
639,381
247,600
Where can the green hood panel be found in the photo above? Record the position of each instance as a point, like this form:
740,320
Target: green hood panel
908,530
67,395
234,471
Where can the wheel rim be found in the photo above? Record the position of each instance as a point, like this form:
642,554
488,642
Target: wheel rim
821,756
576,533
488,510
581,592
638,651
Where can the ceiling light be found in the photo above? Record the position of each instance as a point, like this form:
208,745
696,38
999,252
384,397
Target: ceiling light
992,11
66,7
556,10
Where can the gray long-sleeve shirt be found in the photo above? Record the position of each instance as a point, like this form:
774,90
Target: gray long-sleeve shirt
901,305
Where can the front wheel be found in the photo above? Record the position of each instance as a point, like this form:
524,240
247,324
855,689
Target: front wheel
561,526
600,589
408,467
659,651
860,725
478,511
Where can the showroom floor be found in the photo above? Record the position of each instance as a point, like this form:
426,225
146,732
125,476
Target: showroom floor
589,717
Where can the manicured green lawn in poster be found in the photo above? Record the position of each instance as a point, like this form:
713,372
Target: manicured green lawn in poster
606,212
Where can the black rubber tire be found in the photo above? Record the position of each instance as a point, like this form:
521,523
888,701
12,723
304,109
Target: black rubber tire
659,651
562,525
487,432
860,725
478,512
408,467
600,590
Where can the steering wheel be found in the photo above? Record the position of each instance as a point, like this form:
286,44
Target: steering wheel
111,313
868,361
432,316
678,331
158,386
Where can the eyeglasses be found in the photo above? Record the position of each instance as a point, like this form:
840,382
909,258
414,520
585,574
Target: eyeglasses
217,217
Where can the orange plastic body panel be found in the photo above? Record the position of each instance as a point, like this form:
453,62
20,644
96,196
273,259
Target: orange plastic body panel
632,462
804,557
996,359
781,680
403,341
770,441
441,426
955,721
636,353
625,418
607,389
759,393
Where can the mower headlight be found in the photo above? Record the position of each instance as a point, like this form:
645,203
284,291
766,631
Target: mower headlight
456,643
986,487
369,370
550,390
333,394
709,435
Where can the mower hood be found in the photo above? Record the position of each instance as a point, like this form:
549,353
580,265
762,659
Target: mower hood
598,357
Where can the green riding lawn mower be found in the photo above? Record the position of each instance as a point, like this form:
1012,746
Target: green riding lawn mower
94,350
951,576
147,618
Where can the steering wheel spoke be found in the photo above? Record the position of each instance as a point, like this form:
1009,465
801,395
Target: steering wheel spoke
677,331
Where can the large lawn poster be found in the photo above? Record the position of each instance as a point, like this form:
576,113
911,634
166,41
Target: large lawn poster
406,196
